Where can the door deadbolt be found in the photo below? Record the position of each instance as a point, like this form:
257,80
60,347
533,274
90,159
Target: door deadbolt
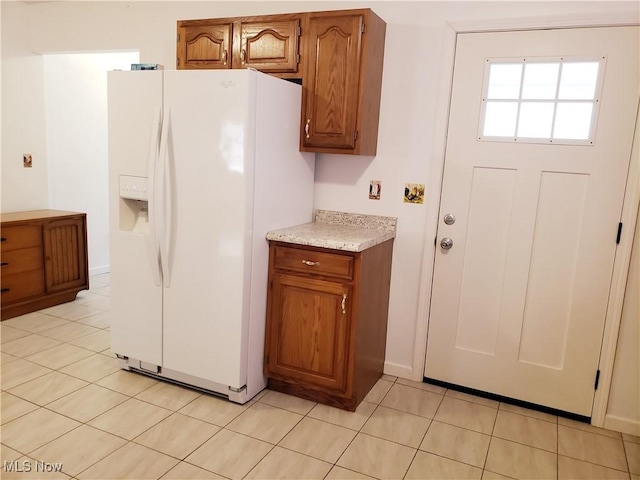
449,219
446,243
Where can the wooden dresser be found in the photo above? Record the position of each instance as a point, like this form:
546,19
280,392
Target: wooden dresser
43,259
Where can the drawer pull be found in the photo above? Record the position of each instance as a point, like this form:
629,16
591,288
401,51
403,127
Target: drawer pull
3,239
4,264
310,263
344,303
6,289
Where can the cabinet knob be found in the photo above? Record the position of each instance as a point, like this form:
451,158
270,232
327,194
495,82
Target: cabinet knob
306,128
310,263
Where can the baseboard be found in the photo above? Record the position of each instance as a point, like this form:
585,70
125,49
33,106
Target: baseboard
397,370
98,270
624,425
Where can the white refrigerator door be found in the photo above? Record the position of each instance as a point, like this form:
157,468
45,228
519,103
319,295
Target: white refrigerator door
209,176
134,103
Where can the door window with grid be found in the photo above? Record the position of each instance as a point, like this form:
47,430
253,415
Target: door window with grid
541,100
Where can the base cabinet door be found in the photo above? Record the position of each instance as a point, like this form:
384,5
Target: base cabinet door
309,334
65,257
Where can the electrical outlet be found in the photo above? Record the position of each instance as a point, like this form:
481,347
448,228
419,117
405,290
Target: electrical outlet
27,160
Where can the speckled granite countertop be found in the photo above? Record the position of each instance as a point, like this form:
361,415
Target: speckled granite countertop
350,232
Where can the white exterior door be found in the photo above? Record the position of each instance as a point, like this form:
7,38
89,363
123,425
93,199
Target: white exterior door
519,300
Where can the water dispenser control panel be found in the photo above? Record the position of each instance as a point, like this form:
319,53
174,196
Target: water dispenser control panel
134,188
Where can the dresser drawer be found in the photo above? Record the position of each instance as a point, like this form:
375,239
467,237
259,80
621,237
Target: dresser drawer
22,236
22,285
23,260
311,261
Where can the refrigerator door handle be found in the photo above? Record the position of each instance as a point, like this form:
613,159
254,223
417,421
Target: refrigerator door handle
164,215
153,247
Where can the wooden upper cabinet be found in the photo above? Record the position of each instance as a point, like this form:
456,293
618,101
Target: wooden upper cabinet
338,55
204,45
270,46
331,80
342,82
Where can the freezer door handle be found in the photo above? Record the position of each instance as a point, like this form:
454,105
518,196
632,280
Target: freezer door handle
153,244
165,200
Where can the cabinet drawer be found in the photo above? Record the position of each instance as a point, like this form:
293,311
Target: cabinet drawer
310,261
22,285
23,236
23,260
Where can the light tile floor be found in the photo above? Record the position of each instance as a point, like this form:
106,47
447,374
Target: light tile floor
64,401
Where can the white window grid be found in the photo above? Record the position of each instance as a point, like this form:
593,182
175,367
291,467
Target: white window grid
601,60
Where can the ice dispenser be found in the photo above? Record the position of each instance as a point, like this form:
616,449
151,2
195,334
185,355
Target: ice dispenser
134,204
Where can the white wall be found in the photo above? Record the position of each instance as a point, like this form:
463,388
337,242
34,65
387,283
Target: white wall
75,88
23,126
412,111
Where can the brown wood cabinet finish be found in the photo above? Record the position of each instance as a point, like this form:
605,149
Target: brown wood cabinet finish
266,43
337,54
342,81
205,46
327,321
44,259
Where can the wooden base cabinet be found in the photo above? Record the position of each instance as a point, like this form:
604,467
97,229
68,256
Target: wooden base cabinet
327,321
44,260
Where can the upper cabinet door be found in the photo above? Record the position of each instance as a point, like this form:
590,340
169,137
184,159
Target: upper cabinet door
206,45
332,49
270,46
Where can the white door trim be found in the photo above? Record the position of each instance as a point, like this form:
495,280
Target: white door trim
618,284
434,187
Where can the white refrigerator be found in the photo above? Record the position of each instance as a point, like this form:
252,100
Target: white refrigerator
201,165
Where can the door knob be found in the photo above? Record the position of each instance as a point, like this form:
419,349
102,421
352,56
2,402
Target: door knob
446,243
449,219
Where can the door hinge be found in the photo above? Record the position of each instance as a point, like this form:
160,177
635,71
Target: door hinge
362,27
595,387
619,233
297,58
355,136
178,38
299,31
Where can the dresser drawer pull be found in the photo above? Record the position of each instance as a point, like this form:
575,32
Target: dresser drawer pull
4,264
3,239
310,263
6,289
